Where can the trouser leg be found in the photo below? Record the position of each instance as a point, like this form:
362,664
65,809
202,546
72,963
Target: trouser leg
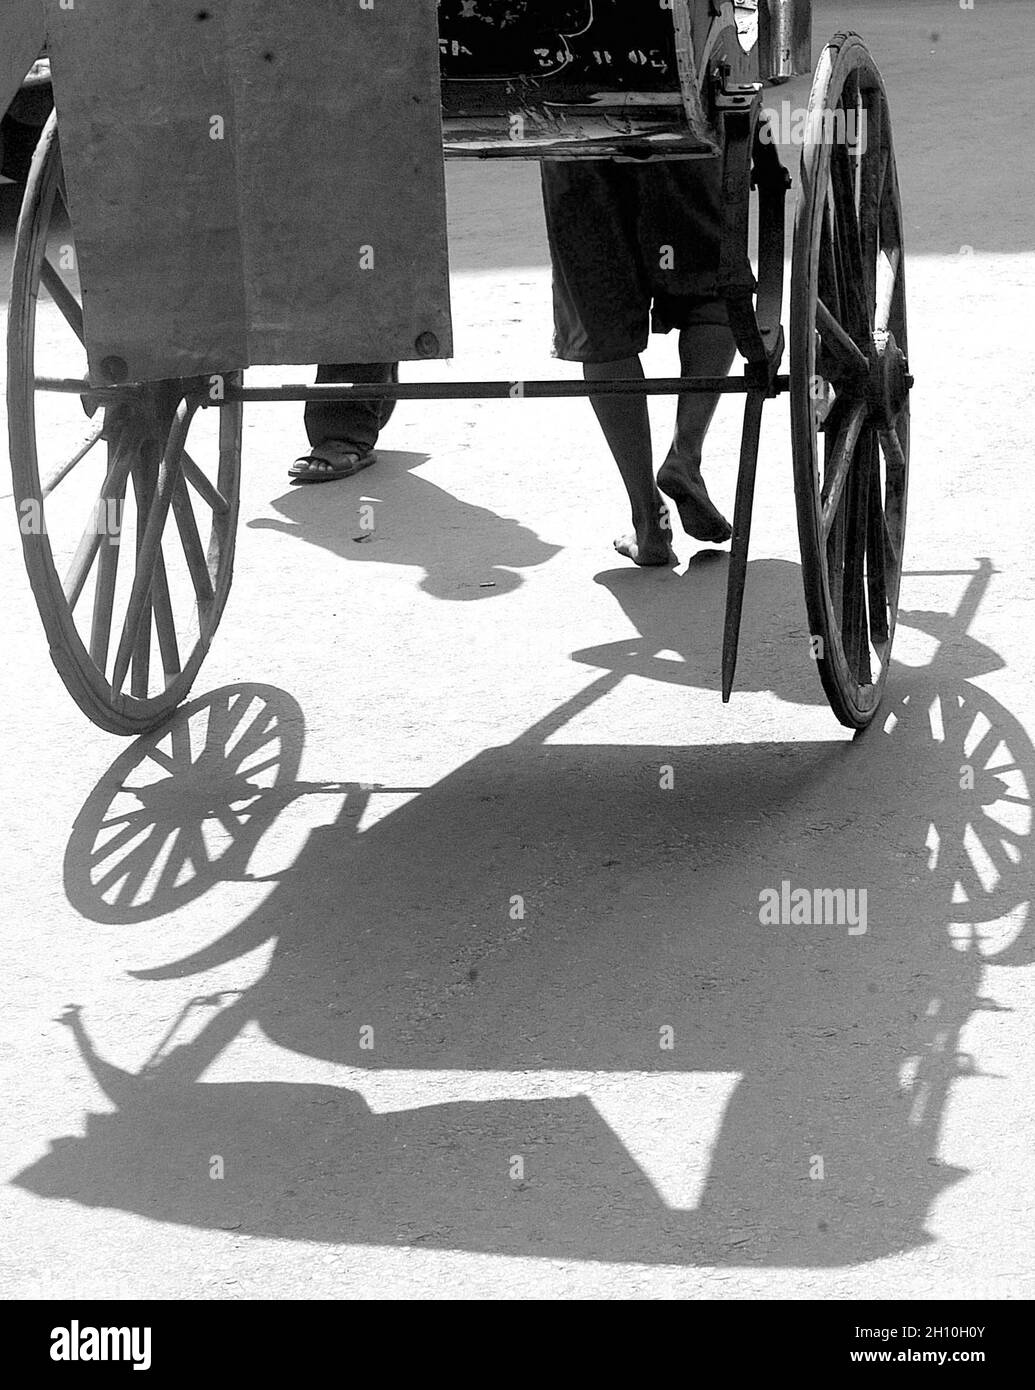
356,422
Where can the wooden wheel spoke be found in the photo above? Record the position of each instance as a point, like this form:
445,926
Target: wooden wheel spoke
851,278
140,677
165,623
838,344
96,528
890,214
839,465
92,437
63,298
887,282
897,465
877,560
827,279
872,155
894,456
104,591
62,187
143,486
140,681
193,550
855,633
203,486
136,631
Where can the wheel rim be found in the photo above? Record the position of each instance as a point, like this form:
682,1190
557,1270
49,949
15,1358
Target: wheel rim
128,544
850,380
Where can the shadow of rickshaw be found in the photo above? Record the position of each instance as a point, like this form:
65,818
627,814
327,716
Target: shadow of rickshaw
793,1120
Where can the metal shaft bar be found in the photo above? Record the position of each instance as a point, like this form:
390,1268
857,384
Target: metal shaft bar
501,390
75,386
438,390
741,538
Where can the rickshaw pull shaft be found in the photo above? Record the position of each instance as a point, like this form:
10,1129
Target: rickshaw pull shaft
500,390
231,392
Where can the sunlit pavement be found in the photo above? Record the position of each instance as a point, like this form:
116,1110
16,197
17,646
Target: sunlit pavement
588,1068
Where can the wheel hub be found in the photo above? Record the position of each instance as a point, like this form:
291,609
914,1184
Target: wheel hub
888,386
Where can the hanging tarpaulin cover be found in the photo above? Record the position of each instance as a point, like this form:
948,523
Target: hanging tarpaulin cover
253,181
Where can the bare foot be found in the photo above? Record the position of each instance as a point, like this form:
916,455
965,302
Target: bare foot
650,545
699,516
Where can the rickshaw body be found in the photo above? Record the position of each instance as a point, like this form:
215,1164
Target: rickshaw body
147,225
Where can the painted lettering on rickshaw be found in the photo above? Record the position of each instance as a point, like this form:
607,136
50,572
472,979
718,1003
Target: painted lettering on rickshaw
576,41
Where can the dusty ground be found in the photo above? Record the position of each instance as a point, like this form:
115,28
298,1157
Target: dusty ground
516,735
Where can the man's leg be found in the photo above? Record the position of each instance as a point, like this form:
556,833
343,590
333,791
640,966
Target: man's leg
705,349
626,424
356,423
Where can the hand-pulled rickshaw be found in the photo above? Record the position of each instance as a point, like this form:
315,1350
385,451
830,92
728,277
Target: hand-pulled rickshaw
147,223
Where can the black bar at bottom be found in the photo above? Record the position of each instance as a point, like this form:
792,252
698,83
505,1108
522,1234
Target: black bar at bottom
241,1337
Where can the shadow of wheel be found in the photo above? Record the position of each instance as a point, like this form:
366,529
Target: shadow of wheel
974,768
184,808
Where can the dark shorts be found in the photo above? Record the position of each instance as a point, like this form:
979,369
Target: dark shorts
635,247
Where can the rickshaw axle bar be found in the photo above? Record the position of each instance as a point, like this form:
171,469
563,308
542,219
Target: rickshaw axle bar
436,390
500,390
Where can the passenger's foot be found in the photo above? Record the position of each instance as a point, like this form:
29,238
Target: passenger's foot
330,461
699,516
651,544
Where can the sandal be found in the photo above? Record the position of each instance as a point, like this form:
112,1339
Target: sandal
329,462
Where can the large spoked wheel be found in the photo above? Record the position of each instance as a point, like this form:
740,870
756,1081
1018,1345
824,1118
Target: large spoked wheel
850,379
127,509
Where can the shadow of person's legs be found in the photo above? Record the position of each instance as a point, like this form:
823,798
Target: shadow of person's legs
393,515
